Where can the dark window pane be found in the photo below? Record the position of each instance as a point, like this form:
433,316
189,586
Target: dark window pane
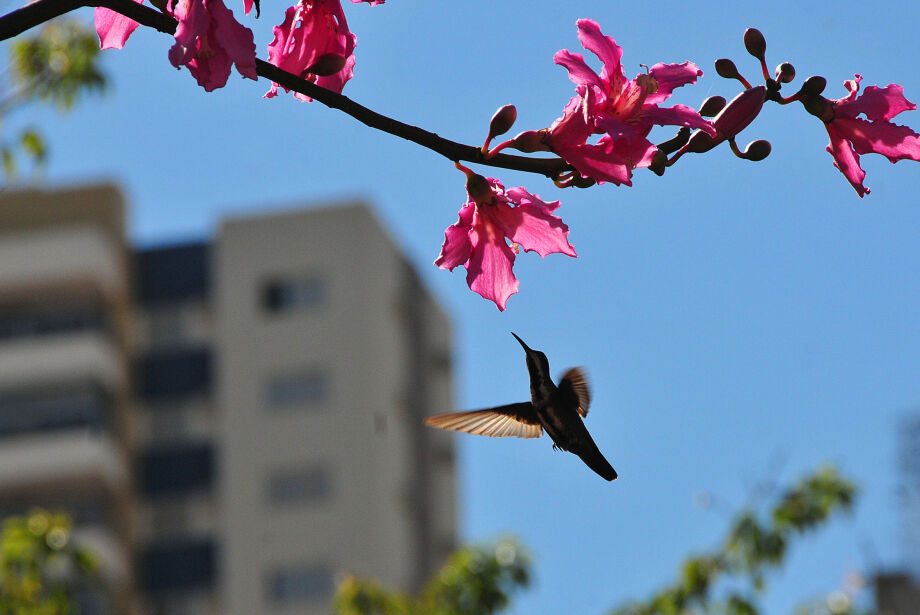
307,388
302,584
172,274
294,486
54,408
177,469
34,321
289,294
179,564
174,374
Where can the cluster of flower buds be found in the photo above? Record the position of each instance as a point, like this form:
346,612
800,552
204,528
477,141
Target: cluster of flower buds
849,134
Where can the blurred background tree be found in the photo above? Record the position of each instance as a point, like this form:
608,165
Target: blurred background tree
730,578
726,580
55,65
41,570
474,581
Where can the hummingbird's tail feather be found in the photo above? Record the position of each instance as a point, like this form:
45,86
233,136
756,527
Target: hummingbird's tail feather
595,460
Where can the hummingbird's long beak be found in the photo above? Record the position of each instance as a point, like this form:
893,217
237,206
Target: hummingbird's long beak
526,347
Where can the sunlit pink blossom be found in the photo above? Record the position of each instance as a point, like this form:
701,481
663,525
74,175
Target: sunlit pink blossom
488,220
113,28
314,43
624,109
209,41
851,136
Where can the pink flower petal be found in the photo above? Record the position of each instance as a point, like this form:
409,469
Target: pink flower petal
113,28
678,115
877,103
532,225
571,129
235,39
579,72
598,162
846,160
616,128
890,140
606,50
457,247
670,77
313,32
489,270
193,24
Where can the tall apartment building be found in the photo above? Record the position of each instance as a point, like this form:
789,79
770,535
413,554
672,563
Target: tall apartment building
235,423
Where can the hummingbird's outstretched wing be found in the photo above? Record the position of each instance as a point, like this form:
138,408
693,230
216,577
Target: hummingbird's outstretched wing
574,389
518,420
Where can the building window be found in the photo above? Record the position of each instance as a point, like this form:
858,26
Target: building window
55,408
168,375
301,584
179,564
294,294
172,274
35,321
297,486
301,389
177,469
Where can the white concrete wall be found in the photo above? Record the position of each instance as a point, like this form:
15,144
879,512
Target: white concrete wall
363,525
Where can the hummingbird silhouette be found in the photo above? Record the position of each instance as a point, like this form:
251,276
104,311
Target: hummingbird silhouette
559,410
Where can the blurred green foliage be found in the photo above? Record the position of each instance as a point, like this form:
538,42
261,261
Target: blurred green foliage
730,578
474,581
56,65
726,581
40,568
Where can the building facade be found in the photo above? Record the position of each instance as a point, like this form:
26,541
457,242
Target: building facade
234,423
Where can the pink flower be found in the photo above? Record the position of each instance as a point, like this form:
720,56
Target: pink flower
113,28
314,43
625,109
478,239
209,40
851,136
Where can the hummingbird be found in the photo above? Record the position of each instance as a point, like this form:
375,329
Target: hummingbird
558,410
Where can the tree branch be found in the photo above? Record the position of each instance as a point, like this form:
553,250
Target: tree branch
40,11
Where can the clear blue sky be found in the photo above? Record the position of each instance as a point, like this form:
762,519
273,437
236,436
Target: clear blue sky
729,313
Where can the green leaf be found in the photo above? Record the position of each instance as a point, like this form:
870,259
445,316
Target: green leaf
9,163
34,145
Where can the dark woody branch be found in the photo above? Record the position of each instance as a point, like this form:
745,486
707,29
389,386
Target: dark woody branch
40,11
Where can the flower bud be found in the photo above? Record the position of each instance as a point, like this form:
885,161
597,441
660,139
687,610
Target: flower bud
740,112
757,150
727,69
813,86
327,64
502,121
676,142
530,141
785,72
712,105
478,188
701,142
659,163
755,43
820,107
582,182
